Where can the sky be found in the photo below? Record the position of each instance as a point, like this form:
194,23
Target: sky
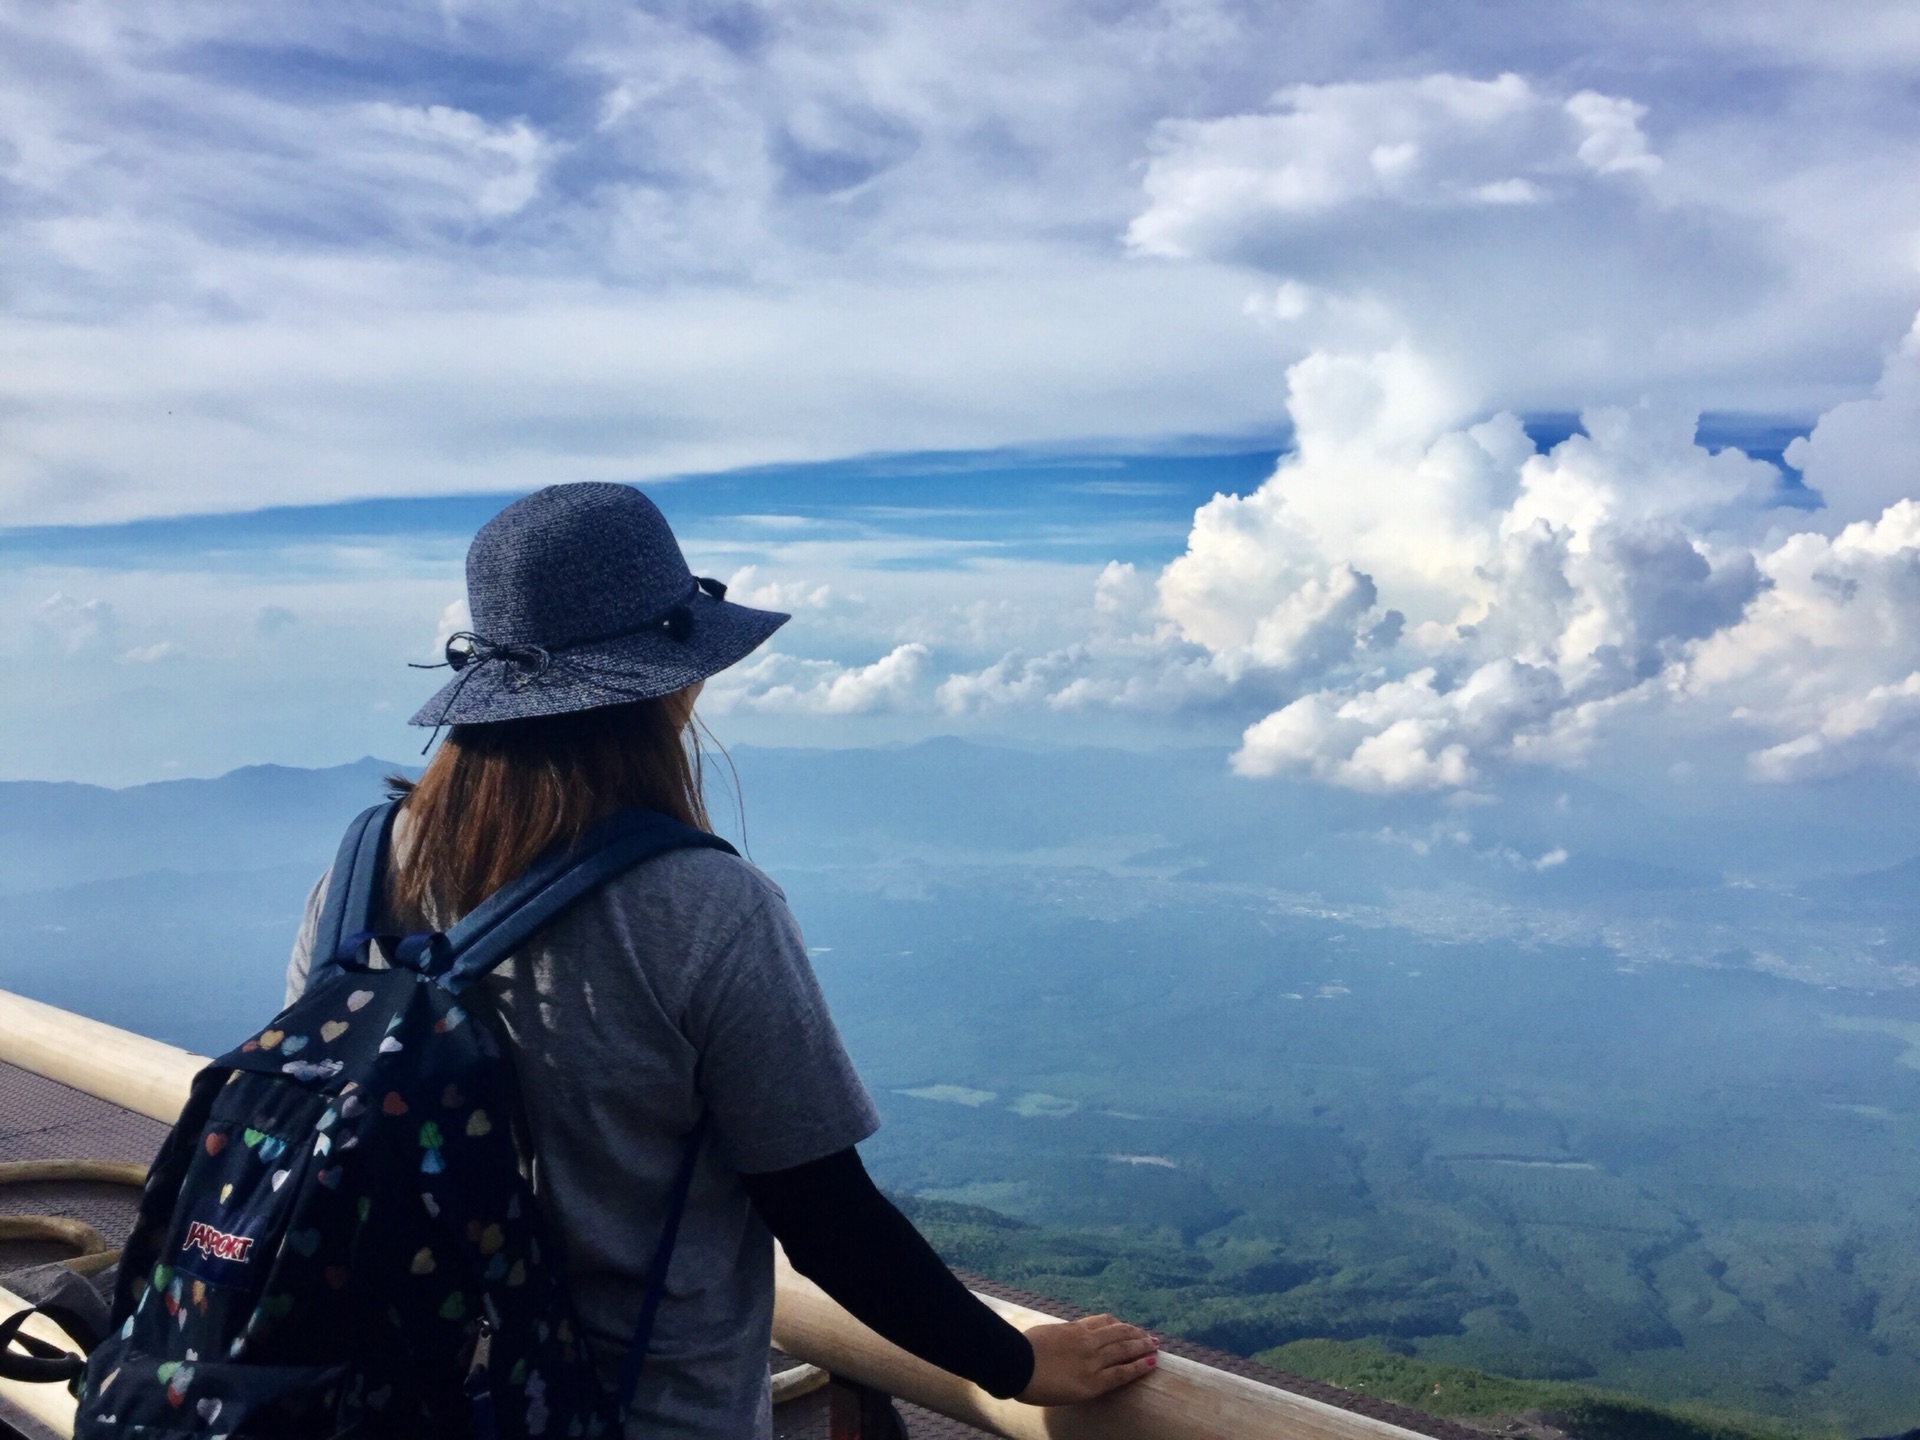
1391,394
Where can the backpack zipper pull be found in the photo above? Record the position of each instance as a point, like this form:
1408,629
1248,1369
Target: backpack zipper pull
479,1387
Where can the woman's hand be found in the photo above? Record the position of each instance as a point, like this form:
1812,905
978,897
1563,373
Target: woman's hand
1086,1359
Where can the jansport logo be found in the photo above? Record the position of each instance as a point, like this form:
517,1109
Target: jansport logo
217,1244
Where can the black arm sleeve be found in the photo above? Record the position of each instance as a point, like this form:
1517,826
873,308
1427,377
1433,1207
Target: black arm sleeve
845,1236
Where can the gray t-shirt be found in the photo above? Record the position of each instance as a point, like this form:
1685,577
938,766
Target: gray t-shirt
682,987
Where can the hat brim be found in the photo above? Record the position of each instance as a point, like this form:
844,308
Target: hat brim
641,666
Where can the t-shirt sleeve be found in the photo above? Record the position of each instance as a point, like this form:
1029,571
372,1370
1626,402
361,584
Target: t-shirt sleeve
777,1082
300,963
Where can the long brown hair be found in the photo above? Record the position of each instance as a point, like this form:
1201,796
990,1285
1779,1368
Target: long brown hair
495,796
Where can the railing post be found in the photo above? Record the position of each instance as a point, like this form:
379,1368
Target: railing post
859,1412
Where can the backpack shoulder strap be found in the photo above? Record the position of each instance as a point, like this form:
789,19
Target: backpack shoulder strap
29,1358
509,917
353,891
636,1357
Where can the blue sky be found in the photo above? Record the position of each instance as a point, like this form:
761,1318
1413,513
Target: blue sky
943,326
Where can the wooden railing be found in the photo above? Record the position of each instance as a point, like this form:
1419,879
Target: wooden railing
1181,1400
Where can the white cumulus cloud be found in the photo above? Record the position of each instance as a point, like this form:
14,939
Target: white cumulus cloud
1586,585
1417,595
74,625
1613,140
779,684
1548,248
1537,585
1864,455
1439,141
749,586
1828,658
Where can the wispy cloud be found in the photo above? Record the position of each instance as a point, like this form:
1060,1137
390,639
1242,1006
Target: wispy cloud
298,255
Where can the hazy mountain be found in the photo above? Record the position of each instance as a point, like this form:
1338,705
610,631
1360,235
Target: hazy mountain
1896,885
263,815
1547,857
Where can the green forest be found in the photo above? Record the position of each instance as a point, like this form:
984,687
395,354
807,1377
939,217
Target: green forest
1188,1291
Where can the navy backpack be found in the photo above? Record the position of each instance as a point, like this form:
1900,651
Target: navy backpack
338,1238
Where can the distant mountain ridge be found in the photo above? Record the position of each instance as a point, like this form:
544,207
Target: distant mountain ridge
1897,884
1545,836
949,798
1547,857
55,834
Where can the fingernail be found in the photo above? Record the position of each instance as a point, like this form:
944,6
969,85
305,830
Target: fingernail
1152,1360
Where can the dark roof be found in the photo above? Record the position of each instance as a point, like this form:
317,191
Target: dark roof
42,1120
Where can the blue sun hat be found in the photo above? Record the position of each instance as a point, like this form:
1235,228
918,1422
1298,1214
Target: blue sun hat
581,598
